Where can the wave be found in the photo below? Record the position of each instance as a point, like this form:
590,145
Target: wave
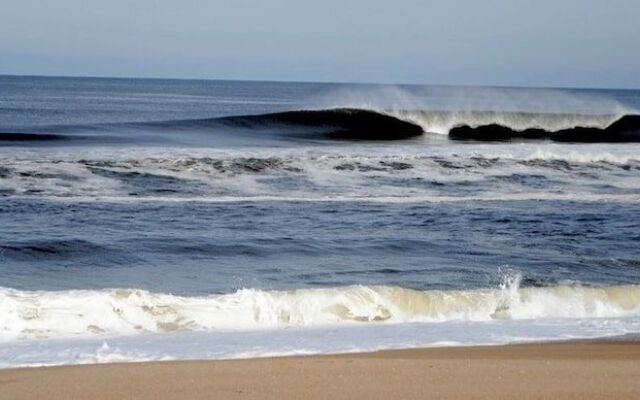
443,121
372,124
625,129
351,123
82,313
337,123
381,124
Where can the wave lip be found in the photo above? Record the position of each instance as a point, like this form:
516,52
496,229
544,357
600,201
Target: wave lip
624,129
85,313
335,123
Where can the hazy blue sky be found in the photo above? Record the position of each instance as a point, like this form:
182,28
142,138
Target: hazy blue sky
584,43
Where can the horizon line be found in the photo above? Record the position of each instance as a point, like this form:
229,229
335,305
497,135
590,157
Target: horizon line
327,82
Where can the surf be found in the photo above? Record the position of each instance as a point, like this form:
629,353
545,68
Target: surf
90,313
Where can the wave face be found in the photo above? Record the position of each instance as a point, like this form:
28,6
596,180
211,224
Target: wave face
339,123
32,315
382,124
625,129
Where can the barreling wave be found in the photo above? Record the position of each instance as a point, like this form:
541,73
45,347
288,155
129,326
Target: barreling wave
80,313
369,124
366,124
337,123
624,129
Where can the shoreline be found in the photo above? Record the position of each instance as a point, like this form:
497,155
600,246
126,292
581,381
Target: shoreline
563,370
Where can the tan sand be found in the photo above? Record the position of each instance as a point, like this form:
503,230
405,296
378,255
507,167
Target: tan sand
546,371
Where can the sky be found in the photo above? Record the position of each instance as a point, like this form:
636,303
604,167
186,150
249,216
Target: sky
559,43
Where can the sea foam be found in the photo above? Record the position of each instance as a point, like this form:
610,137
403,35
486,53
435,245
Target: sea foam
87,313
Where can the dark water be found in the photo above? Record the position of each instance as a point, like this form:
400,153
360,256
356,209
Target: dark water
200,248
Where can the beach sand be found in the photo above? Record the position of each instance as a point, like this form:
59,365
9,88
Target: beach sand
590,370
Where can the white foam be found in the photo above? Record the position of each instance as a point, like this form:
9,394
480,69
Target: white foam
366,173
303,341
84,313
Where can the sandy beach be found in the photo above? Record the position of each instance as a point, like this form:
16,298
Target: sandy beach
609,370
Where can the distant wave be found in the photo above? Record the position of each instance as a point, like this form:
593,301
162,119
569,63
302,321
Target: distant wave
624,129
338,123
81,313
364,124
351,123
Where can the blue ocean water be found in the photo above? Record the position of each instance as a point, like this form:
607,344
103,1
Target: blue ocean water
132,214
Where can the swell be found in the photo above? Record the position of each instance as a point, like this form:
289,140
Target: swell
29,315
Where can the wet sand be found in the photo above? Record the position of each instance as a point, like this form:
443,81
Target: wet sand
590,370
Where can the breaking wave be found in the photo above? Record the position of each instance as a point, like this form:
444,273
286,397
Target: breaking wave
367,124
625,129
371,124
337,123
80,313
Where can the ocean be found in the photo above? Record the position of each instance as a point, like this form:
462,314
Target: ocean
148,219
